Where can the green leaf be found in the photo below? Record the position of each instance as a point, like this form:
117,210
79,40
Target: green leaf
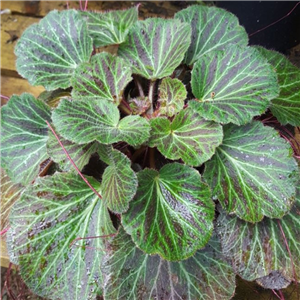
172,94
10,193
189,137
212,29
49,217
285,107
80,154
255,250
104,78
119,182
233,85
155,47
172,213
109,28
24,134
49,52
86,121
131,274
253,173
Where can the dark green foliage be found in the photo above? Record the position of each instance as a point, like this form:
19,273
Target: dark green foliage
169,132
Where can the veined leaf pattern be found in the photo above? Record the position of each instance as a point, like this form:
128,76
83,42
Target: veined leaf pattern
24,134
49,52
87,121
253,173
132,274
171,213
51,214
155,47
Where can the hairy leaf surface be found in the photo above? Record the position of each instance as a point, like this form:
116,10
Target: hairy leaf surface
285,107
86,121
119,182
212,29
155,47
253,173
172,94
132,274
49,217
24,133
255,250
172,213
109,28
104,78
233,85
49,52
80,154
188,137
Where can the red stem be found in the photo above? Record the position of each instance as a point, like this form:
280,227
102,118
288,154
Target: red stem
86,5
275,21
273,291
4,231
4,97
72,162
92,237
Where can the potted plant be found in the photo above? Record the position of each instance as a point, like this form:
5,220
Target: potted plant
166,171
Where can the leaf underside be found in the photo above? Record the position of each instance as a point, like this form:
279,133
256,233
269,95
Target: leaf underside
233,86
49,52
212,29
104,78
189,137
24,134
50,215
285,107
86,121
155,47
110,28
256,250
133,275
253,173
169,215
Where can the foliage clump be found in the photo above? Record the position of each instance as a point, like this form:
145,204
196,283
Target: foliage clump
191,185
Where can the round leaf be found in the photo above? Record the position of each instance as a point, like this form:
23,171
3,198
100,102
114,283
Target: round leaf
172,94
253,173
49,52
233,85
49,217
119,182
189,137
110,28
131,274
24,134
104,78
285,107
256,250
172,213
212,29
86,121
155,47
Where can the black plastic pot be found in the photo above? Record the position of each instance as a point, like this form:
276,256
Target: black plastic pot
255,15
